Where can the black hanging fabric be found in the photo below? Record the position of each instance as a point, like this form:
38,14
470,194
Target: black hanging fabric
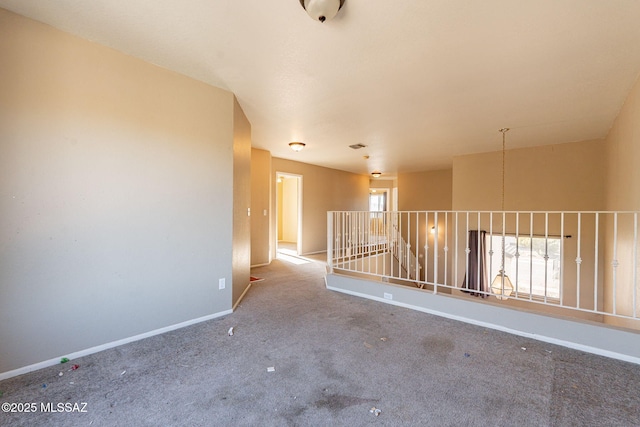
475,278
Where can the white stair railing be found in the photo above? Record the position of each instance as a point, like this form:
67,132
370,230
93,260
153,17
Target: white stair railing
356,235
401,251
584,261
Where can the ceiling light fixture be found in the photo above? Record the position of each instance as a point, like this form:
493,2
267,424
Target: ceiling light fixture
501,285
376,174
297,146
322,10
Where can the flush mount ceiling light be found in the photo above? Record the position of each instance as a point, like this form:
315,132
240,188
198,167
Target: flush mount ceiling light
376,174
297,146
322,10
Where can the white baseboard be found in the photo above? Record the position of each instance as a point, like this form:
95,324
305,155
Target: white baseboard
260,265
96,349
314,253
540,337
241,296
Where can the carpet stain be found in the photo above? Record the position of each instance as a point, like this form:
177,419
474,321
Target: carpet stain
327,366
438,347
338,402
292,415
363,321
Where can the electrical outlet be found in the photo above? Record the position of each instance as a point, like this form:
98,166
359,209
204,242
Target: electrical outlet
388,296
221,284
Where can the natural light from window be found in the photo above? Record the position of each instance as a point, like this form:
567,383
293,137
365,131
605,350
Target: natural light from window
377,201
525,263
291,258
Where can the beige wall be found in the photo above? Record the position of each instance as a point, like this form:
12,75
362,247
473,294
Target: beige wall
623,156
289,211
553,177
568,177
241,202
260,206
323,190
115,219
623,193
425,191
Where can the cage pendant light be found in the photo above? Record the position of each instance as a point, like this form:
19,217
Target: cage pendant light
501,285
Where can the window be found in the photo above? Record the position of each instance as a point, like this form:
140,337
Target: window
377,207
377,201
525,263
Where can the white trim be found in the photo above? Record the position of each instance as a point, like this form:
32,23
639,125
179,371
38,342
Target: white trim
261,265
550,340
98,348
314,253
241,296
299,209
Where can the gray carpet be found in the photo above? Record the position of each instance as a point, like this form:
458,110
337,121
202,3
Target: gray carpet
335,357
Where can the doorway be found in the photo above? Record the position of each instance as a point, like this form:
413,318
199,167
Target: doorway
288,213
378,200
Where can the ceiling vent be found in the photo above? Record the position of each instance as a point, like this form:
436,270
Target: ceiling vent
357,146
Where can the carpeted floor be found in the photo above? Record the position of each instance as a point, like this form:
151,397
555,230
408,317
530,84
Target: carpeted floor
301,355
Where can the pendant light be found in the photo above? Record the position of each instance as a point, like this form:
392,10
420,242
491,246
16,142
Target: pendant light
322,10
501,285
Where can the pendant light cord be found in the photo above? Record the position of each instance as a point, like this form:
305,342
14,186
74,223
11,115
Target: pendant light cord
503,145
504,131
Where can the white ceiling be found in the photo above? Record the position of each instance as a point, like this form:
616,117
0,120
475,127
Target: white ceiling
418,81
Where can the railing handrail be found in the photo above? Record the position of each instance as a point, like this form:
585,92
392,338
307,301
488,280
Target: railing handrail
589,273
493,211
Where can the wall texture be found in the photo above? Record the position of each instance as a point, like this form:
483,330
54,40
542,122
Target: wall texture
241,202
552,177
260,206
623,193
425,191
323,190
623,156
115,207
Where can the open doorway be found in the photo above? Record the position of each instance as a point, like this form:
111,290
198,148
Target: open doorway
378,200
288,213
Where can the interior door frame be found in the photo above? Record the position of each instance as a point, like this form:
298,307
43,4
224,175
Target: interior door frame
299,237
